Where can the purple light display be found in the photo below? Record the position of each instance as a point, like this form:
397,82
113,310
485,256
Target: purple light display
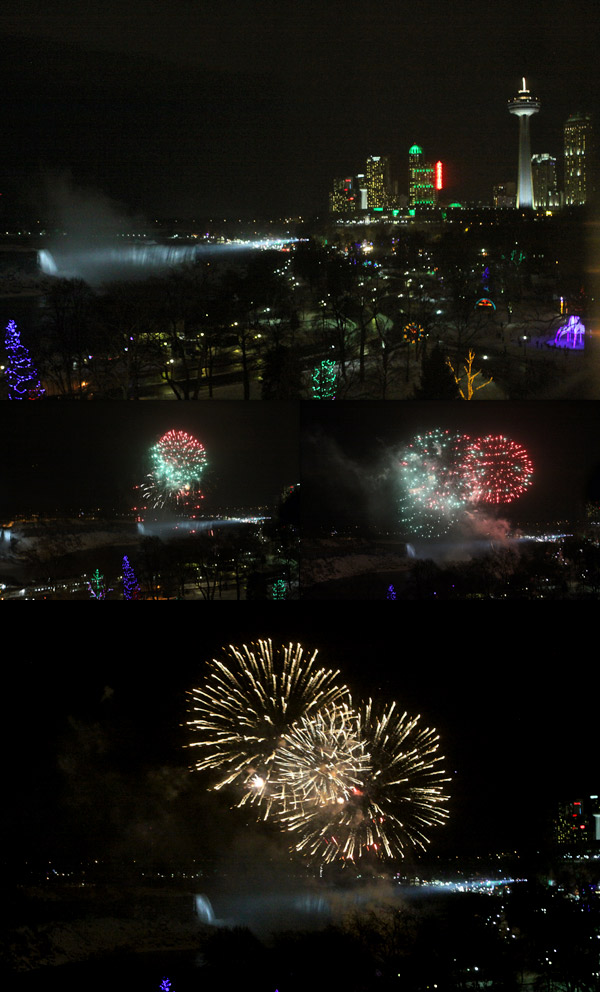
571,334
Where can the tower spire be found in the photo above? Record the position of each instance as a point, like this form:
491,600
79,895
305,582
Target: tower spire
524,106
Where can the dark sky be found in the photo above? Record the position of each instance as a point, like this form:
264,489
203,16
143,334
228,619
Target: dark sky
255,105
93,454
101,766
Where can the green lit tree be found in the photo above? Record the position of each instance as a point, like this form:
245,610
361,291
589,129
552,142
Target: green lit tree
97,586
324,380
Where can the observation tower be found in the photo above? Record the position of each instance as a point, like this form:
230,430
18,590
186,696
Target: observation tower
524,105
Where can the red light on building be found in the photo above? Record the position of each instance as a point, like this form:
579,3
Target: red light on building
438,175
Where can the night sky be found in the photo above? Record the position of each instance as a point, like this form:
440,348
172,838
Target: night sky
253,106
348,450
101,767
93,454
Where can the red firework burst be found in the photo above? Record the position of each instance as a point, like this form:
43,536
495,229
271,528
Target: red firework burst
496,470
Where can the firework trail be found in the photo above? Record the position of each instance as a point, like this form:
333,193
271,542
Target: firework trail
396,798
432,481
442,474
496,470
178,462
343,780
321,760
250,702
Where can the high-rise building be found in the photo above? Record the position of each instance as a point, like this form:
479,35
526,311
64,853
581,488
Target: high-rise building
545,186
421,180
505,195
343,199
377,175
361,189
577,823
579,160
524,106
594,807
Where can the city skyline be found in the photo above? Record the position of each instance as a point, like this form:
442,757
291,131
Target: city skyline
240,99
384,186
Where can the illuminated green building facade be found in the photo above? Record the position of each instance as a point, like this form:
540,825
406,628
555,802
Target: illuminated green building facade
421,180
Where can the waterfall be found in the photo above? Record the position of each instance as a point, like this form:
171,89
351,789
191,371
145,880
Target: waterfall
96,263
204,910
46,262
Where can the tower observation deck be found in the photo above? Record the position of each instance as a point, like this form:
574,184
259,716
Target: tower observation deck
524,105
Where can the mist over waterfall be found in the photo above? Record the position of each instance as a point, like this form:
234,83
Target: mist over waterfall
97,240
100,263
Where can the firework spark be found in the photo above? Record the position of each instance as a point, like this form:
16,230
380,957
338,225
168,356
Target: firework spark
432,481
344,781
497,470
397,795
250,702
178,461
321,760
442,474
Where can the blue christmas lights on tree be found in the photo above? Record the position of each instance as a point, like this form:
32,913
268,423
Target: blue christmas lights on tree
131,586
21,376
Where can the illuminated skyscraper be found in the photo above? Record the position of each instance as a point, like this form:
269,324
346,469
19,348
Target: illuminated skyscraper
421,180
577,823
594,805
343,198
377,174
524,106
579,159
360,184
545,187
